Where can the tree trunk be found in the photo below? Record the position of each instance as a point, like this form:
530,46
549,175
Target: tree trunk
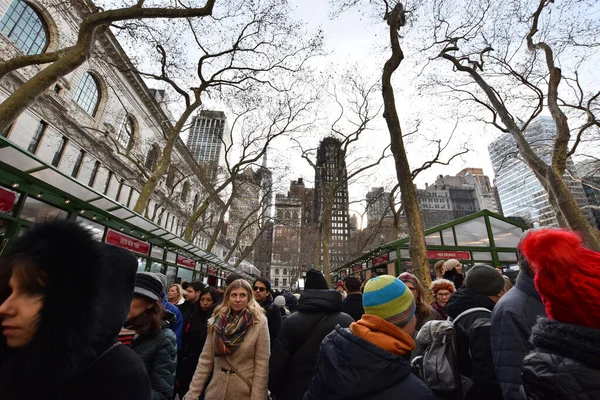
408,193
164,161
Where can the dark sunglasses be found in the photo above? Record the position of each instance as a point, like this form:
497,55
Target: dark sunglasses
260,289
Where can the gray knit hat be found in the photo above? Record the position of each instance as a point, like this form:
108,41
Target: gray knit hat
485,280
149,284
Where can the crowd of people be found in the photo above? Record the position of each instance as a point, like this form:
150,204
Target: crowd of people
78,321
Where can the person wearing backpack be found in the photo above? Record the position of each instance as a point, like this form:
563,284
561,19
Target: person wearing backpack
482,289
294,355
367,361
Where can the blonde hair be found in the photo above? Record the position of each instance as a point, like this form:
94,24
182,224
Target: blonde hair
438,268
224,309
179,290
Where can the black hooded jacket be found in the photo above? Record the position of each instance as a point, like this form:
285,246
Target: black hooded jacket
474,348
294,356
565,363
349,367
87,297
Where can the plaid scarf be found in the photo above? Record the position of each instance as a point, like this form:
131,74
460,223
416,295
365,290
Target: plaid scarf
230,332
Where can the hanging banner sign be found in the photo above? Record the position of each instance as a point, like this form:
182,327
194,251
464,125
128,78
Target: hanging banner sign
7,200
127,242
444,255
357,268
185,262
212,271
381,259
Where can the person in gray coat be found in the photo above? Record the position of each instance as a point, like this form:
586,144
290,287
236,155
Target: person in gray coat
512,321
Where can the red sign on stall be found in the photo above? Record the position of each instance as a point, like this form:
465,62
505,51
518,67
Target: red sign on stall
444,255
357,268
7,200
212,271
381,259
127,242
186,262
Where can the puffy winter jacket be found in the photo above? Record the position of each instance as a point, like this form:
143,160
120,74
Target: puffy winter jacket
474,349
349,367
294,356
273,318
514,316
352,305
159,354
565,364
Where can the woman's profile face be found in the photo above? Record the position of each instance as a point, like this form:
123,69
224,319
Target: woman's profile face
138,306
173,293
20,314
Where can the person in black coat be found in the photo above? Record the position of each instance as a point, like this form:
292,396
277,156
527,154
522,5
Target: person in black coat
483,288
194,336
262,294
565,363
294,356
367,361
454,272
352,304
82,290
513,318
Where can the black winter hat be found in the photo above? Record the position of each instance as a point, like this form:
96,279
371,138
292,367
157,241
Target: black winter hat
315,280
485,280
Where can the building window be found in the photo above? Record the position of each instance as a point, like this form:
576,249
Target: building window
152,157
25,27
59,153
120,189
126,132
94,173
285,272
37,137
185,191
87,94
276,271
78,163
196,199
276,282
171,177
284,281
107,185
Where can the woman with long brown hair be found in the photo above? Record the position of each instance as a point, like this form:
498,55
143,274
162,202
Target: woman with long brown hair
236,350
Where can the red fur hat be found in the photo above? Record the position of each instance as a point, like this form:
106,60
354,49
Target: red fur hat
567,275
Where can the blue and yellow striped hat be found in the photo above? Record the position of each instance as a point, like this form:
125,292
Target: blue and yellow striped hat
389,298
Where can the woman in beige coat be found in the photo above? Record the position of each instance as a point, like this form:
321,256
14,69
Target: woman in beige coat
236,350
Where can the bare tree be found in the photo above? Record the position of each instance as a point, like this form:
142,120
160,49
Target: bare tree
259,47
95,22
516,73
334,177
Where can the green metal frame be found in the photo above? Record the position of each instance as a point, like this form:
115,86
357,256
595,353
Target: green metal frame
30,186
402,244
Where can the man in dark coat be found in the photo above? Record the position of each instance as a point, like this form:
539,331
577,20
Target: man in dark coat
352,304
512,320
192,297
566,361
262,294
294,356
74,354
367,361
482,289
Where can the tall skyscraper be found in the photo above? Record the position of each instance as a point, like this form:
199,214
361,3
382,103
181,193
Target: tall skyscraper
206,138
521,193
330,177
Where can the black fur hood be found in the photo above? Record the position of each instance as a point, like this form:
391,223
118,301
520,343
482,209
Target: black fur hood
85,303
